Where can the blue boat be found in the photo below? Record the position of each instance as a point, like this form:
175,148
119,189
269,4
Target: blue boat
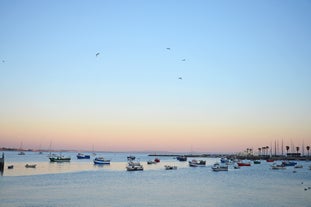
289,163
101,161
83,156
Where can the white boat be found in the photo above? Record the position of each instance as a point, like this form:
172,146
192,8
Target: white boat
169,167
196,163
220,167
278,167
298,166
149,162
134,166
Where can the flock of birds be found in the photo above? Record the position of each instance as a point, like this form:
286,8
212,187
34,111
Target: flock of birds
168,48
98,53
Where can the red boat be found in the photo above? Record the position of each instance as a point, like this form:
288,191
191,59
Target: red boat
270,160
157,160
244,164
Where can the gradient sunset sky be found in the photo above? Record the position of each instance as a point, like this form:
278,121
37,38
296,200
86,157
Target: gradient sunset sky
245,69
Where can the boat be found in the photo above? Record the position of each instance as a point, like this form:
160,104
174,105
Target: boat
257,162
170,167
59,159
150,162
83,156
181,158
289,163
196,163
278,167
21,153
131,158
10,166
298,166
157,160
101,161
220,167
241,164
269,160
310,167
2,163
134,166
30,166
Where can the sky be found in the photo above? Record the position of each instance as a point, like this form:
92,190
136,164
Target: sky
171,75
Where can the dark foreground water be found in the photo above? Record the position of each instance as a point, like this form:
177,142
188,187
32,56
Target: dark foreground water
80,183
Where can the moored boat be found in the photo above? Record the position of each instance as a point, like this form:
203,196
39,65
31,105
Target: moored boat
10,166
289,163
257,162
269,160
196,163
298,166
59,159
278,167
134,166
83,156
101,161
241,164
181,158
150,162
170,167
30,166
157,160
220,167
131,158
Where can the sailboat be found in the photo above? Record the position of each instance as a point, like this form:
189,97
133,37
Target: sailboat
21,149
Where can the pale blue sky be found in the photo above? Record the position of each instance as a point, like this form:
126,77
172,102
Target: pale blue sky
247,62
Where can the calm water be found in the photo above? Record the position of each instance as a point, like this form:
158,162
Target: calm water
80,183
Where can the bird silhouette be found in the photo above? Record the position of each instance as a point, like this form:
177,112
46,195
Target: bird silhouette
183,60
180,78
168,48
97,54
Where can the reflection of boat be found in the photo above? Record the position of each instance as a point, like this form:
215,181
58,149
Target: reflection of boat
181,158
195,163
101,161
220,167
278,167
10,166
83,156
134,166
169,167
289,163
60,159
30,166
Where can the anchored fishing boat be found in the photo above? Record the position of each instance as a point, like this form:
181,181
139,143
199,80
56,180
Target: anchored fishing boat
101,161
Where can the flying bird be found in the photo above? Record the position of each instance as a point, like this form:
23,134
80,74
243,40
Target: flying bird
97,54
183,60
180,78
168,48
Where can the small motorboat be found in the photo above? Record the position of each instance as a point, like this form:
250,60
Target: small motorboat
181,158
170,167
269,160
10,166
30,166
21,153
150,162
134,166
83,156
196,163
257,162
220,167
278,167
131,158
289,163
298,166
101,161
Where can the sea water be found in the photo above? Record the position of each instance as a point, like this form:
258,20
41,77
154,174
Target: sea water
81,183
